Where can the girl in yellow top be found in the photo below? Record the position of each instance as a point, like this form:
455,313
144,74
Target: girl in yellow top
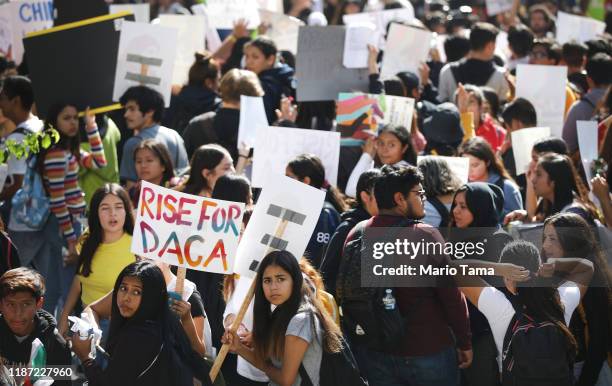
105,251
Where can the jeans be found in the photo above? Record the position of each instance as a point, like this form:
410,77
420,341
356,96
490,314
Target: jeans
438,369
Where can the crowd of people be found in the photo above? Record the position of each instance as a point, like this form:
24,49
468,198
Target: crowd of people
544,317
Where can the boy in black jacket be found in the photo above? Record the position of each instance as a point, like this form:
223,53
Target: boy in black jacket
23,320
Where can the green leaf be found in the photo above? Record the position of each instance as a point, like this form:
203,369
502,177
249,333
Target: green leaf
46,141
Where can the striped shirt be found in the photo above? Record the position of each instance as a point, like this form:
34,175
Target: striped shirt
61,179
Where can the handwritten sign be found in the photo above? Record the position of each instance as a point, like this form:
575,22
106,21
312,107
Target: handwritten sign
17,18
187,231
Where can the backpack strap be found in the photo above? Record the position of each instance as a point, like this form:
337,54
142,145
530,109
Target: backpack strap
306,381
441,208
152,362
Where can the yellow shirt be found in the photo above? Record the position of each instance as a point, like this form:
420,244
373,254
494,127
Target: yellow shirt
107,263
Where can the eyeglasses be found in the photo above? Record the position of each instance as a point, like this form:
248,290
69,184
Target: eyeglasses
421,194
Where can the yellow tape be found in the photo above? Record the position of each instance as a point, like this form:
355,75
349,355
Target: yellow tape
79,23
103,109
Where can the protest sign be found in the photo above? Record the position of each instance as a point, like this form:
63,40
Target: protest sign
18,18
276,146
358,37
191,34
495,7
283,29
252,115
188,231
319,65
580,28
70,11
223,13
271,6
213,41
522,144
146,57
141,11
86,79
381,20
460,166
360,115
587,144
544,86
407,47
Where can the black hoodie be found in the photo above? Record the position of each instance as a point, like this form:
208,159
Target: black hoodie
190,102
276,82
45,329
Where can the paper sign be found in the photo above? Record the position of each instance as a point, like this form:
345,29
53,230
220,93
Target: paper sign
276,146
356,41
587,144
281,198
17,18
191,33
360,115
141,11
381,20
407,47
580,28
522,144
495,7
544,86
188,231
252,115
146,57
319,65
223,13
213,41
271,5
283,30
460,166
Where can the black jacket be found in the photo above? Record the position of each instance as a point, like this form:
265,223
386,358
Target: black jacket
325,228
276,82
190,102
45,329
333,254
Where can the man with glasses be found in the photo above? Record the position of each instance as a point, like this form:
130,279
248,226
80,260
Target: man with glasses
437,340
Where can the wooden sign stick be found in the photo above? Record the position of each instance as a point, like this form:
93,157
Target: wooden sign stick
280,230
180,280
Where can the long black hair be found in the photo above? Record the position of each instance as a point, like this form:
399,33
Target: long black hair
269,327
205,157
309,165
402,134
478,147
177,353
160,151
96,233
71,144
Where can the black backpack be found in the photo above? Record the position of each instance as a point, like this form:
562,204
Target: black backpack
535,353
336,368
364,319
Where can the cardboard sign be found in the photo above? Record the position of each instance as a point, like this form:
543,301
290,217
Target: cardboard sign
381,20
223,13
522,144
460,166
191,35
580,28
282,200
75,62
252,115
18,18
142,12
146,57
185,230
283,29
495,7
407,47
587,144
276,146
544,86
319,65
360,115
358,37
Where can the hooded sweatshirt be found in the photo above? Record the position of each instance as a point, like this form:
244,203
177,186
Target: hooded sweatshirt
276,82
45,329
190,102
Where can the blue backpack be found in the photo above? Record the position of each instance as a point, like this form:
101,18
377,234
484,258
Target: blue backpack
30,205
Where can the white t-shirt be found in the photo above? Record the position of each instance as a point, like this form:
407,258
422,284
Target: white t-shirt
499,311
18,166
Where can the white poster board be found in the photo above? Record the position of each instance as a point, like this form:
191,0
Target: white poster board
271,5
142,12
398,111
460,166
188,231
191,34
276,146
407,47
252,115
580,28
17,18
356,41
146,57
281,198
522,144
544,86
223,13
381,20
587,144
283,29
495,7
